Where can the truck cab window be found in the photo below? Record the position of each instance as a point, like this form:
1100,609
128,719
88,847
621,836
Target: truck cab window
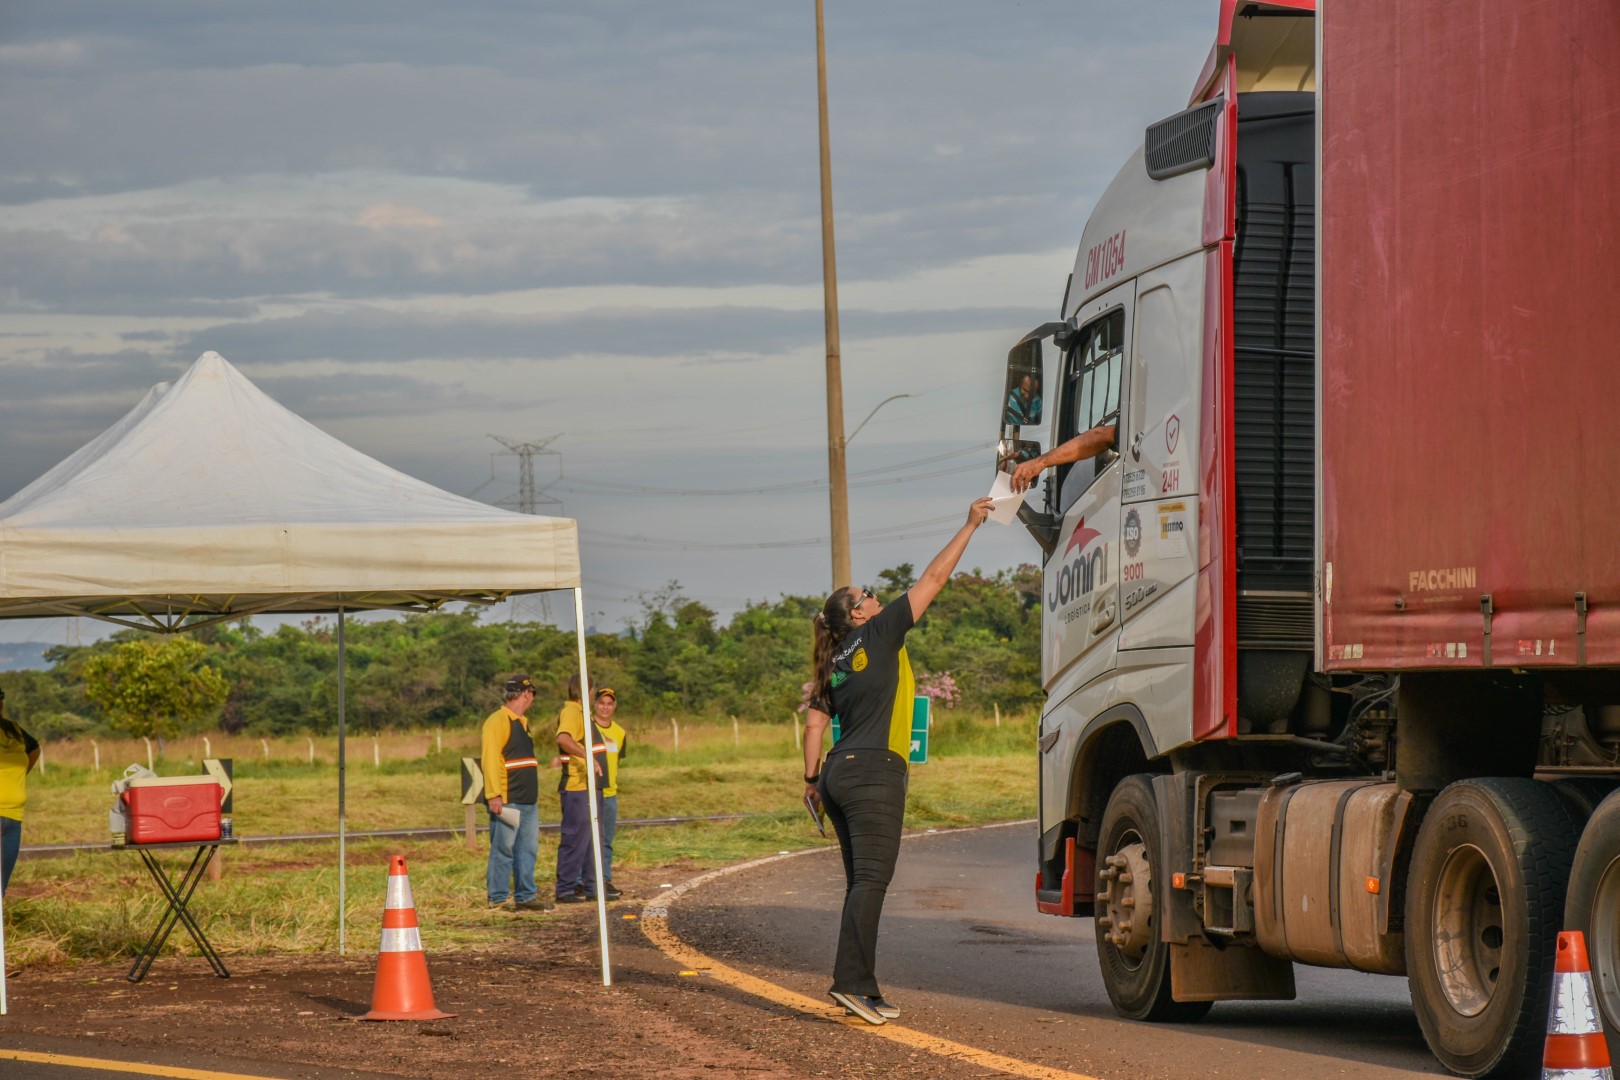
1092,373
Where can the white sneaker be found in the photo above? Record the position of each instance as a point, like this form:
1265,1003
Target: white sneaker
855,1005
879,1006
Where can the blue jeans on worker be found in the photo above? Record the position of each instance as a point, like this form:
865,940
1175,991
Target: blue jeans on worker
864,794
10,844
513,852
574,849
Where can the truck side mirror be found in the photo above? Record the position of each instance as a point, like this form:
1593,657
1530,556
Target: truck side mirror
1023,400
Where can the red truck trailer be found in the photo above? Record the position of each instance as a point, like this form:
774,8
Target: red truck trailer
1331,635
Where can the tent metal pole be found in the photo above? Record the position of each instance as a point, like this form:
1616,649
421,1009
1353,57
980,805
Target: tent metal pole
2,955
343,862
590,781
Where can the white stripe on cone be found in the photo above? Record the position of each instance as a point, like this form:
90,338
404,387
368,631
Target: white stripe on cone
399,893
402,939
1573,1011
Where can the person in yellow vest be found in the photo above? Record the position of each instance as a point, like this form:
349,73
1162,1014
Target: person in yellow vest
862,675
574,866
19,752
512,789
609,746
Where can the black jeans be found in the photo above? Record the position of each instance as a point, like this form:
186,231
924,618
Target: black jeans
864,793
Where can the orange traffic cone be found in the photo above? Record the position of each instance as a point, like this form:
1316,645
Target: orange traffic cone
402,991
1576,1049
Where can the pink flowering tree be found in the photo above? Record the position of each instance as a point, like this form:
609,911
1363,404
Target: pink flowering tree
939,688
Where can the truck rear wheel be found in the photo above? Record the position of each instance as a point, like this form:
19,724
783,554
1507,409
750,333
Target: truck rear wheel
1135,962
1594,908
1484,904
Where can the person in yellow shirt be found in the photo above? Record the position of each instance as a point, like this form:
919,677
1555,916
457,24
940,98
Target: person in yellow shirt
609,746
19,752
512,790
574,846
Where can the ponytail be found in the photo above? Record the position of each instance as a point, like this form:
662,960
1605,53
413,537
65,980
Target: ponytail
832,624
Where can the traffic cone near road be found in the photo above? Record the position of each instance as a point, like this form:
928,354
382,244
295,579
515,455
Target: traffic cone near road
403,991
1576,1049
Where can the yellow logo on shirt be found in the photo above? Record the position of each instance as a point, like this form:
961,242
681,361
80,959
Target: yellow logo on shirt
858,661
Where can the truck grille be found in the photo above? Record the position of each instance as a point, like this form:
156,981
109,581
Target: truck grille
1276,621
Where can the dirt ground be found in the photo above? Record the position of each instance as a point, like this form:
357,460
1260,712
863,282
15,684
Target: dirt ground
538,1004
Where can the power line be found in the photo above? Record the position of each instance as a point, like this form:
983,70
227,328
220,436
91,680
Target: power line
585,486
647,543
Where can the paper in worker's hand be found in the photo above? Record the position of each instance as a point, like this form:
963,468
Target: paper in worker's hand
817,818
1007,501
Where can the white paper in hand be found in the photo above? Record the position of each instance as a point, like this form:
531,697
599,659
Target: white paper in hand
1006,500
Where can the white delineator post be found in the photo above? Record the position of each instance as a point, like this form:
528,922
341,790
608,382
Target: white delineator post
590,782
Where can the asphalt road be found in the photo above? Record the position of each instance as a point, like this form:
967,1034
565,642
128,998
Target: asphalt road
965,954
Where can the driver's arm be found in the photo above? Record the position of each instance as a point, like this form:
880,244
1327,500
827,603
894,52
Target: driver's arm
1087,444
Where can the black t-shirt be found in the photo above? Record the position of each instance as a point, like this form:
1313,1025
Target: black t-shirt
872,685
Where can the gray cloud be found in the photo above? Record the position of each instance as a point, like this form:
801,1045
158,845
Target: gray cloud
693,98
374,335
224,266
51,408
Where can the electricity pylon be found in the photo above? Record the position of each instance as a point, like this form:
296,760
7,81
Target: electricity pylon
529,498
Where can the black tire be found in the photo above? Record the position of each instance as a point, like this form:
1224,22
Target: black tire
1484,905
1137,980
1583,793
1594,909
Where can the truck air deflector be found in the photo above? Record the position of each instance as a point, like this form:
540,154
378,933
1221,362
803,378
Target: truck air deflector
1183,142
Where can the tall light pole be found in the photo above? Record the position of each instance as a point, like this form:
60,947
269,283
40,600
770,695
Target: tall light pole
837,487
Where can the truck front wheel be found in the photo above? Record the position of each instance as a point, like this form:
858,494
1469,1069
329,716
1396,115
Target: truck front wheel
1135,962
1483,908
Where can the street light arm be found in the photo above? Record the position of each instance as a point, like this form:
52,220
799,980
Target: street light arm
893,397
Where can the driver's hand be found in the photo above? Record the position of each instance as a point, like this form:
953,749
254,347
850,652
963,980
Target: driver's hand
1025,474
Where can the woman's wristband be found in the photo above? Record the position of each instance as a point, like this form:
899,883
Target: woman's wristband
812,779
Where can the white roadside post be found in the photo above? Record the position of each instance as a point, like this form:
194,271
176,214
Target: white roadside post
590,782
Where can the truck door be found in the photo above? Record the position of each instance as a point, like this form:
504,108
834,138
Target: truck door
1158,455
1081,579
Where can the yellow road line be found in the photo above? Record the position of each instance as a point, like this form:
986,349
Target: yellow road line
655,924
122,1066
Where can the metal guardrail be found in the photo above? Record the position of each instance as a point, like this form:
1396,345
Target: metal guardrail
49,850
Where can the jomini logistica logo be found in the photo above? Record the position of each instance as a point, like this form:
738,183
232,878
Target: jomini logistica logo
1076,579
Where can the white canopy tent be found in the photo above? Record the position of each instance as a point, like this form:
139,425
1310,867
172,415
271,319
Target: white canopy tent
209,501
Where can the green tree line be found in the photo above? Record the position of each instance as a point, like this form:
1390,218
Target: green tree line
443,669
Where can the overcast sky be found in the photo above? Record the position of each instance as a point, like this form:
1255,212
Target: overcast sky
419,224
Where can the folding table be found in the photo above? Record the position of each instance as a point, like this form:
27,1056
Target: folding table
179,897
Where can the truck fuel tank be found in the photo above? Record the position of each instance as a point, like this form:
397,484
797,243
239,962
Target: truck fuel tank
1320,851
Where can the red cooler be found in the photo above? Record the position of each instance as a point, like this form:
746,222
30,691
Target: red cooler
172,810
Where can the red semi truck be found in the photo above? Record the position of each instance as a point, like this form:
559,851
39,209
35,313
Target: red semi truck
1331,635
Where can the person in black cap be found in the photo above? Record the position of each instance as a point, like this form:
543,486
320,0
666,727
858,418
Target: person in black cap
19,752
512,788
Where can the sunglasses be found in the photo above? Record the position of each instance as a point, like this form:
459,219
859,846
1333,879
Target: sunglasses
866,593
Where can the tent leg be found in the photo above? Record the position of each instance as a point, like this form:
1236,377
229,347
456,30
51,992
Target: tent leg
590,783
343,862
2,957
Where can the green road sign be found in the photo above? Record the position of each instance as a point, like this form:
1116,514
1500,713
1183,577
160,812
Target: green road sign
919,730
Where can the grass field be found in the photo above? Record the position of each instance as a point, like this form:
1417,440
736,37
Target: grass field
283,898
